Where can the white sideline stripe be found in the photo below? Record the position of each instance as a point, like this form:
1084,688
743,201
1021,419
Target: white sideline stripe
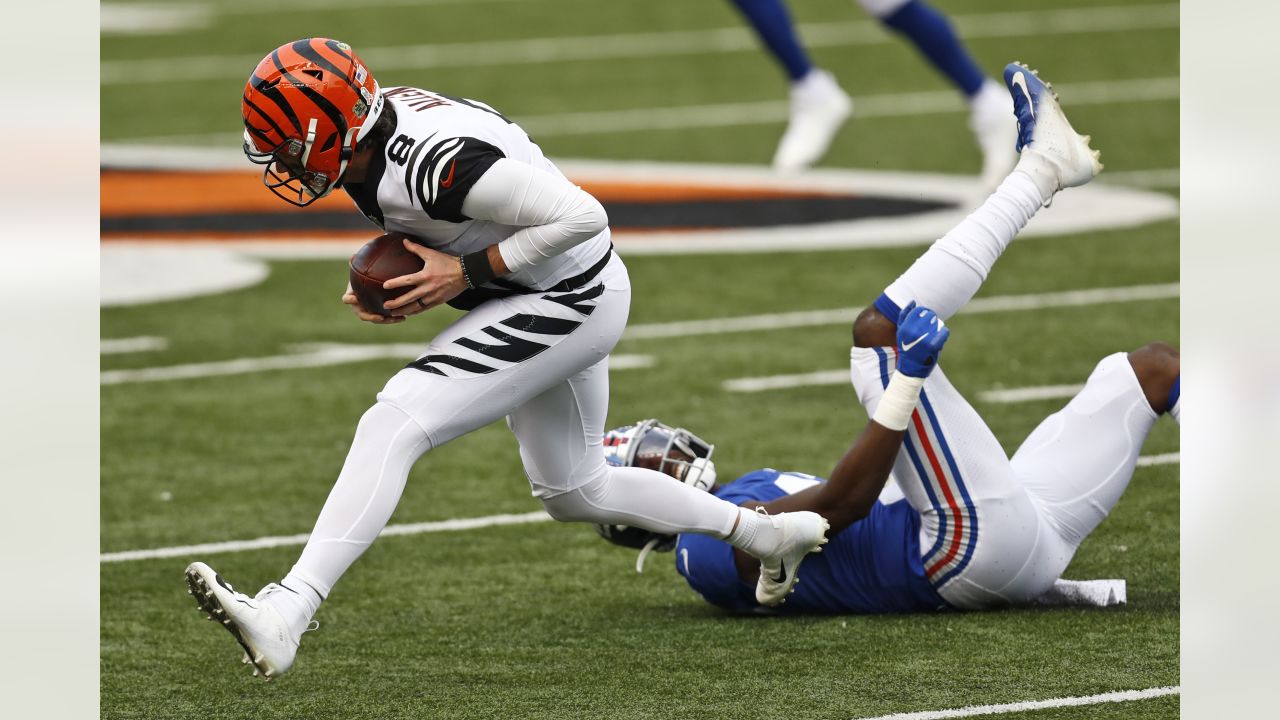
808,318
1162,459
309,356
886,105
112,346
293,540
978,710
656,44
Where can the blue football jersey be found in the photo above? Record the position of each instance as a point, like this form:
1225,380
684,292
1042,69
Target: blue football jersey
872,566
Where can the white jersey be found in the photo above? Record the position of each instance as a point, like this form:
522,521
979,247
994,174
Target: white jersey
440,147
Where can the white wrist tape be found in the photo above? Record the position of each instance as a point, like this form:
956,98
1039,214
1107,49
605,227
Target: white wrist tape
899,401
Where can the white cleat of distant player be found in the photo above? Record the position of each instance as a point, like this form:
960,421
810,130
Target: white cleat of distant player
1052,151
818,109
995,129
802,533
270,641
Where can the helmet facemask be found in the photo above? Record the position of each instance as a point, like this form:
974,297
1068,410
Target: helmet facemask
672,451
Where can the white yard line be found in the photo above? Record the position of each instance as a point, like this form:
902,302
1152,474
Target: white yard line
616,46
783,382
307,356
1025,394
1173,458
887,105
980,710
868,106
455,524
112,346
322,355
294,540
809,318
1154,178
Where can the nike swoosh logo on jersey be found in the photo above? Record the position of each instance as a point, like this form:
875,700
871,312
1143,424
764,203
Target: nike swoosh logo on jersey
447,182
684,556
906,347
1020,81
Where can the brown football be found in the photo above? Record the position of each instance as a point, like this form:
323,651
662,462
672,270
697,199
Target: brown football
381,259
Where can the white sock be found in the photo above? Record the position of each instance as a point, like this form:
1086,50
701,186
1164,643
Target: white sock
303,593
1175,412
386,445
754,535
645,498
950,272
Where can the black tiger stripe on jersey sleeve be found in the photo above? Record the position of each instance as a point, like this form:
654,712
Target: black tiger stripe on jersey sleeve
445,174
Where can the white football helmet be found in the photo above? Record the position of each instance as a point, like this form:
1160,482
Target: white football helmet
657,446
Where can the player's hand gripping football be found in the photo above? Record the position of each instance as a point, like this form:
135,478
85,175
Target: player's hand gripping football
349,298
921,335
439,281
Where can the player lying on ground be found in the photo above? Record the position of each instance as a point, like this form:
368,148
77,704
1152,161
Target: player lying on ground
965,527
819,107
527,254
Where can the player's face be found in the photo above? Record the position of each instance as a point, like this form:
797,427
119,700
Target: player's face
674,463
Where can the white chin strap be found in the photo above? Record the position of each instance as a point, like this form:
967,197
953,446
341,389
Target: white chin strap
701,474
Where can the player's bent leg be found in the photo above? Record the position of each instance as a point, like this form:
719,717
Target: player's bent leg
1078,462
978,525
561,434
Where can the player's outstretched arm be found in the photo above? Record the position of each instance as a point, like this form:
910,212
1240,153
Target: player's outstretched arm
860,475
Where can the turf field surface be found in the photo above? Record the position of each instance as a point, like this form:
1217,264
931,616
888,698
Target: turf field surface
544,619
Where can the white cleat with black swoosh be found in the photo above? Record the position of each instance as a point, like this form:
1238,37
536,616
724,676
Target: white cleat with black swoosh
802,533
1051,149
270,641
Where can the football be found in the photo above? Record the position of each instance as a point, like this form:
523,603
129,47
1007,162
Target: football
381,259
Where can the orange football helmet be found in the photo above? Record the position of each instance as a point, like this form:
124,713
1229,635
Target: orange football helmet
305,107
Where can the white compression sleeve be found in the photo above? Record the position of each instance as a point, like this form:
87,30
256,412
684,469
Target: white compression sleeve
553,213
386,445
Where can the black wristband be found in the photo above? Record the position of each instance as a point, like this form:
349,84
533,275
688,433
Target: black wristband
476,269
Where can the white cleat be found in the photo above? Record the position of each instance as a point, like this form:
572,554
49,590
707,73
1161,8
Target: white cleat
802,533
818,109
269,642
1052,151
996,131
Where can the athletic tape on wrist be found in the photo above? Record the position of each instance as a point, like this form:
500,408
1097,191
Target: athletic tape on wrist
476,269
899,401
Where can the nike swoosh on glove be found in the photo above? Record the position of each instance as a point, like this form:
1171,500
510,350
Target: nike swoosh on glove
921,335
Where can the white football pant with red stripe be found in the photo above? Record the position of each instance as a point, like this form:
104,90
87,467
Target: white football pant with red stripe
996,531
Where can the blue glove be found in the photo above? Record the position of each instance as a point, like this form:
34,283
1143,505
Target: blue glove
921,335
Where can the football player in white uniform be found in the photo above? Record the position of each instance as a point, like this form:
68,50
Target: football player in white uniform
527,253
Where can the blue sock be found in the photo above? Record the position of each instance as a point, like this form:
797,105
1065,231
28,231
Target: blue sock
773,25
936,39
1175,392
